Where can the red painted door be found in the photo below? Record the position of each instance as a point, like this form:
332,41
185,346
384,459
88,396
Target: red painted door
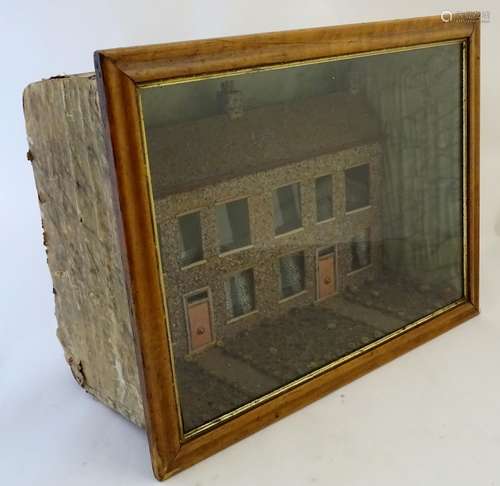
326,276
200,325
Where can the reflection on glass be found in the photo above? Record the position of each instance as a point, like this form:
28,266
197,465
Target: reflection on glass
371,147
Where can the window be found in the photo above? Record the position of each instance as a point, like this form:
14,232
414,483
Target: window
233,226
292,274
197,296
327,251
357,186
240,294
287,209
324,198
190,239
360,251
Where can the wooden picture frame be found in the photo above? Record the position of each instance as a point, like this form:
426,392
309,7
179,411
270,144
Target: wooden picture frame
120,73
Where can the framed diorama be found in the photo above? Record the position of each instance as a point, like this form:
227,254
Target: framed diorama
296,209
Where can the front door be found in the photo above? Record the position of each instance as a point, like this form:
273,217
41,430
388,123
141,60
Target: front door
326,276
199,320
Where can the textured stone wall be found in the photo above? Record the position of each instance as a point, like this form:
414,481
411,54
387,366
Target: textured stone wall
72,177
263,255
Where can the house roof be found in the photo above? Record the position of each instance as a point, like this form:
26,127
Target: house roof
190,155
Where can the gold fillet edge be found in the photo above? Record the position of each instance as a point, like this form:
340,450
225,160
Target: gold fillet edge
465,164
272,67
185,436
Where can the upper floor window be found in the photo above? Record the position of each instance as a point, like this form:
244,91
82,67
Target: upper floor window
357,187
190,238
233,225
287,209
324,198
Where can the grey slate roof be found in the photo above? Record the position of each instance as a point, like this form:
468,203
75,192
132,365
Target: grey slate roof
193,154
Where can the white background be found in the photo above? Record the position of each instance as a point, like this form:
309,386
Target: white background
431,417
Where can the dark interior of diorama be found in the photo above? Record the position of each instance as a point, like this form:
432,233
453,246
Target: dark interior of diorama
302,214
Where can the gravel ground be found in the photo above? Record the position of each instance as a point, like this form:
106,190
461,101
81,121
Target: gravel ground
302,341
307,339
402,298
203,396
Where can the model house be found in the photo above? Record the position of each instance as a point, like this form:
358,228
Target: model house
264,210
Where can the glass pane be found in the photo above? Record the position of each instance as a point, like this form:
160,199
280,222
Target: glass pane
240,296
233,227
287,209
190,236
357,181
376,142
324,198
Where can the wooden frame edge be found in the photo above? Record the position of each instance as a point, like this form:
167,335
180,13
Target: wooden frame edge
473,153
126,157
148,63
118,74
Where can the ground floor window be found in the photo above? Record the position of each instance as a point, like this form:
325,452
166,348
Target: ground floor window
240,294
360,250
292,274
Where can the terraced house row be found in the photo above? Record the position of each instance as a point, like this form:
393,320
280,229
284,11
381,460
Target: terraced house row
258,231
